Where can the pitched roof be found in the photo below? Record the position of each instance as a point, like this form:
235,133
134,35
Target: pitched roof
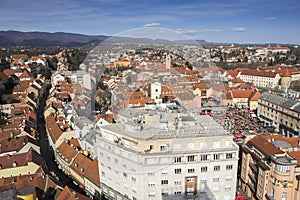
254,96
295,155
66,152
84,166
293,141
263,145
53,130
286,73
71,194
25,74
241,93
259,73
21,159
15,144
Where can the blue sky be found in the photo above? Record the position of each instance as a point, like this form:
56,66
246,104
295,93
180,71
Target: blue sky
243,21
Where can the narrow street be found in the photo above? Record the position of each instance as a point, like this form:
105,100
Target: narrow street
46,153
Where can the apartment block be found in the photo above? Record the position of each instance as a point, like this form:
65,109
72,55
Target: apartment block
280,112
270,168
162,152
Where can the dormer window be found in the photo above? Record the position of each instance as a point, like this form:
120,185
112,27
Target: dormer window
82,169
14,164
76,164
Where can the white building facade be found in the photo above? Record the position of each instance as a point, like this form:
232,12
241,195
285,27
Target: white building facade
165,154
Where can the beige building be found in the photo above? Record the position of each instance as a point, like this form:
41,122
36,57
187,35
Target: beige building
260,78
270,168
280,112
161,153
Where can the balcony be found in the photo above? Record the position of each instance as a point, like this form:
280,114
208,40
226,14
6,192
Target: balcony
251,187
252,178
253,167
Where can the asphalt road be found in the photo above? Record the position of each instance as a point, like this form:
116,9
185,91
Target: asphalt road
46,152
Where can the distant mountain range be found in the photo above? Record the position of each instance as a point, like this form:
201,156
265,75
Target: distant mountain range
17,38
46,39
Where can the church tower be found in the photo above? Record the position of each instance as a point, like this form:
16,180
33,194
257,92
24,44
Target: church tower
168,61
156,86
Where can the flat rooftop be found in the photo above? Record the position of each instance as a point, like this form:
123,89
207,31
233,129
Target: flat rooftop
164,123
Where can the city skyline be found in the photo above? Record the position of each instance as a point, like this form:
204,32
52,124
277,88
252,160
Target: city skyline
230,21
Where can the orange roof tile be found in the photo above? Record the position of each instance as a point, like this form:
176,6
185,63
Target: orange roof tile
295,155
241,93
66,152
259,73
71,194
53,130
293,141
264,146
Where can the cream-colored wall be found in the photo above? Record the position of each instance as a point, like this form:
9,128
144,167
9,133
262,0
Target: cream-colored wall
31,168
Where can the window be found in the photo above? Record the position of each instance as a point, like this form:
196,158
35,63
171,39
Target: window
133,179
216,156
216,179
164,182
177,183
284,196
163,148
229,167
217,168
151,147
229,155
190,145
282,168
150,173
192,170
178,171
164,193
151,183
191,158
164,172
151,194
227,188
203,157
203,169
124,175
178,192
177,159
190,180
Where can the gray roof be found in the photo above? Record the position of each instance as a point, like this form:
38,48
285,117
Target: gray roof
205,126
289,104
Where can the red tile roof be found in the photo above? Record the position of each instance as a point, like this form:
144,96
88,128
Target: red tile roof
295,155
25,74
84,166
241,93
70,194
19,56
259,73
21,159
53,130
286,73
66,152
15,144
293,141
264,146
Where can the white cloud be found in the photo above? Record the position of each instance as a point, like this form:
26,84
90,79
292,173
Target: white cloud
195,31
239,29
154,24
270,18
